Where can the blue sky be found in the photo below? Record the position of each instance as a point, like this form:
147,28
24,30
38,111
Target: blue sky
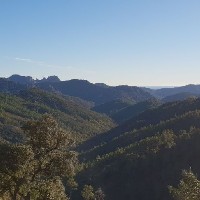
134,42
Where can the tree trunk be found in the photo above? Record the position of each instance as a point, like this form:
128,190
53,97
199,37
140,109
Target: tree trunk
28,196
14,196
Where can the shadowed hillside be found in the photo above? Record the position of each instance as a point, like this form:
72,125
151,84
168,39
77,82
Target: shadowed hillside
91,92
112,107
148,155
147,118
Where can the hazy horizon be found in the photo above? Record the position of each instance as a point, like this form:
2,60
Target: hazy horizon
115,42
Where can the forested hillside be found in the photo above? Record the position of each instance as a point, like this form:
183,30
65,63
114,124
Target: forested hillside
121,111
98,94
147,118
179,96
112,107
134,110
126,140
147,156
100,100
33,103
145,169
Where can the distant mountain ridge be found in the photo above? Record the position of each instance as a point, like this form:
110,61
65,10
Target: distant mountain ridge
180,96
98,93
28,80
164,92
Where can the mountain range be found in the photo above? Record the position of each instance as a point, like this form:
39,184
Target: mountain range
133,142
98,93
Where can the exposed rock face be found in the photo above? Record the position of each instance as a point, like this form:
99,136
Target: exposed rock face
49,79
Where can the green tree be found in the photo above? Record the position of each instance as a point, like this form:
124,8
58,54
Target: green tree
35,170
88,193
188,188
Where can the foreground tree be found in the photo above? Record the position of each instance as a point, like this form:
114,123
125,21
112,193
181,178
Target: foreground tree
88,192
35,170
188,188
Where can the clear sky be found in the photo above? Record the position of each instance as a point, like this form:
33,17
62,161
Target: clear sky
134,42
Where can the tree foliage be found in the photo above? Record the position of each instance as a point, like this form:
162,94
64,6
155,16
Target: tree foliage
88,193
188,188
35,170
